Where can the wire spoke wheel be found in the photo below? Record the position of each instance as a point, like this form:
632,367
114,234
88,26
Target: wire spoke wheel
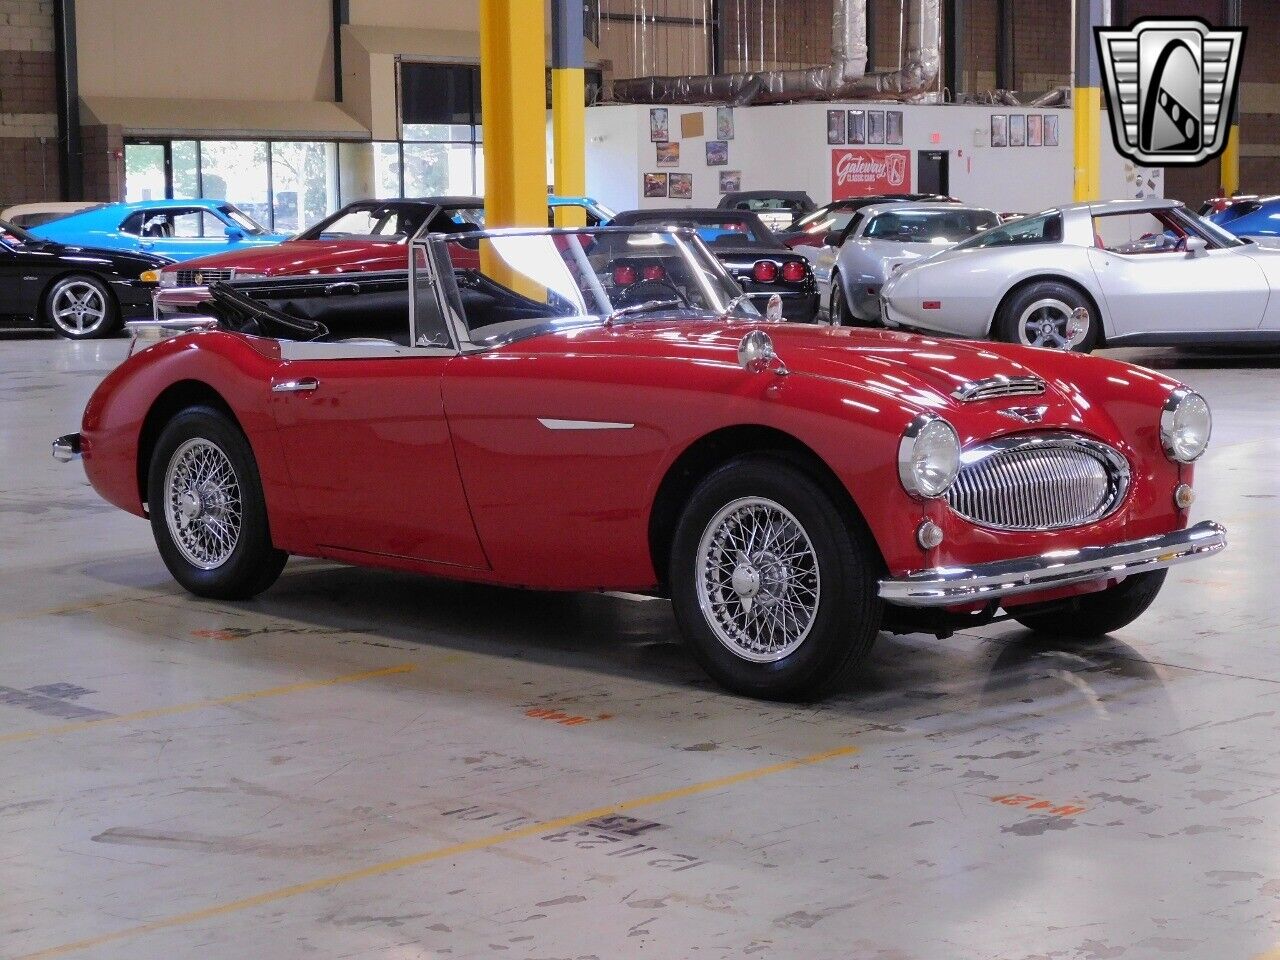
202,503
758,580
1052,323
78,307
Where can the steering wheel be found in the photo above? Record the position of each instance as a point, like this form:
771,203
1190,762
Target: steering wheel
646,290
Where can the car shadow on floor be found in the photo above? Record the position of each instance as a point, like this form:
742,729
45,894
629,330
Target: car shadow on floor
906,678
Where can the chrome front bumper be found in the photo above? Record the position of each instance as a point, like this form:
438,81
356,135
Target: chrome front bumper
66,449
950,586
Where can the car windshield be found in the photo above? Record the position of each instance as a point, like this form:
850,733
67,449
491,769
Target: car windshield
393,222
508,285
929,226
13,236
825,220
242,220
716,230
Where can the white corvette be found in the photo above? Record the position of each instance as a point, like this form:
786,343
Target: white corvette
1116,273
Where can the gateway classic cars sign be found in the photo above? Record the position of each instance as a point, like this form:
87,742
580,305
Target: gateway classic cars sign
862,173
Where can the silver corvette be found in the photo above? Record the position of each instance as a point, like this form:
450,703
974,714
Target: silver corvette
1120,272
851,268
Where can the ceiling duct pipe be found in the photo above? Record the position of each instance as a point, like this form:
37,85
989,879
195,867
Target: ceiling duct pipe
844,79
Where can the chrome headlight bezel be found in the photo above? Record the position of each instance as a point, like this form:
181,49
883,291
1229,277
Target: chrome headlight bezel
926,430
168,279
1183,404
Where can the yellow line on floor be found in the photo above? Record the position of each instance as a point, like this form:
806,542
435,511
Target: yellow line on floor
439,853
299,687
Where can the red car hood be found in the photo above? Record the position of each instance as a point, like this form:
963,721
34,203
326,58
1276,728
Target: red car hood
307,256
916,373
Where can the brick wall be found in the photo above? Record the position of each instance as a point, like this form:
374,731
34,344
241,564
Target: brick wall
103,162
28,112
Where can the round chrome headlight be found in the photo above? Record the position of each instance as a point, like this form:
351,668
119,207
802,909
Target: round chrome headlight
168,278
928,456
1185,426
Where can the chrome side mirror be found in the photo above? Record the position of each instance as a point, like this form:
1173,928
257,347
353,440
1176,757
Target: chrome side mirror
756,354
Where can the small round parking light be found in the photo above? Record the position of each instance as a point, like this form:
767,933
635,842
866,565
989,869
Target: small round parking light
929,535
1184,496
765,271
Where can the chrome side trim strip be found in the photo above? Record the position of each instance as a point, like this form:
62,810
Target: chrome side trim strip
949,586
553,424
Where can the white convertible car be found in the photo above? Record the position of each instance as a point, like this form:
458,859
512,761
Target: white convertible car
854,262
1121,272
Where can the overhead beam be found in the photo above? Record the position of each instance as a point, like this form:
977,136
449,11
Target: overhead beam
1006,72
66,64
513,100
568,109
341,16
954,46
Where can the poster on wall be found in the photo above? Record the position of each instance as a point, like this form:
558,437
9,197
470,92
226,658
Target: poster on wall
857,126
659,129
1035,130
999,130
1017,129
669,154
862,172
893,126
681,186
835,126
730,181
655,184
717,153
724,123
875,126
1050,129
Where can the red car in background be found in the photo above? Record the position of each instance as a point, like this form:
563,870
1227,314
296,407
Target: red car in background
539,421
369,235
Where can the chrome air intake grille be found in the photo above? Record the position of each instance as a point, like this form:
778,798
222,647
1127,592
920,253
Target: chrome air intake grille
203,278
1039,481
999,386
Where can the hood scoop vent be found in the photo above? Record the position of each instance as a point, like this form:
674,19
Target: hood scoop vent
991,388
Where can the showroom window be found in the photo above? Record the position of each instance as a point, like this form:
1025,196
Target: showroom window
440,129
285,185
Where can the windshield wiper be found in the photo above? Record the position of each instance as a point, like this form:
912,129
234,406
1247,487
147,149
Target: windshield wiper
641,308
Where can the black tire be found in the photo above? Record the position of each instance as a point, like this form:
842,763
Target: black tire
1007,324
80,307
848,611
839,312
251,564
1097,614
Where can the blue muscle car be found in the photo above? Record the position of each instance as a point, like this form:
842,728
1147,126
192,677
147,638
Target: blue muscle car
177,229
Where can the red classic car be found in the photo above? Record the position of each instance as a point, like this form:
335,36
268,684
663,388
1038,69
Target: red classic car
368,235
602,409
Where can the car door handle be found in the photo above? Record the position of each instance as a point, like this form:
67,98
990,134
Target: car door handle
303,385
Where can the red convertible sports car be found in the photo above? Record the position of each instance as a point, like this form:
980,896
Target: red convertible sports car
602,409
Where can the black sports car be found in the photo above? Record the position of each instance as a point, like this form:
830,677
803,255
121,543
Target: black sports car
81,292
760,263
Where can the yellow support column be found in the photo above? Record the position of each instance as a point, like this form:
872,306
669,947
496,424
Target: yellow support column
568,138
568,108
513,98
1231,162
1086,100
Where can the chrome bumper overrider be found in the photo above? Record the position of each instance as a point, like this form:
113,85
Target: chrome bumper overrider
949,586
66,449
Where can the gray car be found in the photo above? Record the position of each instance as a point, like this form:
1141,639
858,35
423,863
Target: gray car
879,240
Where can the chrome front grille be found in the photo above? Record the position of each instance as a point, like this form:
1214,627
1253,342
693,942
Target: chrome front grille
203,278
1039,481
1000,385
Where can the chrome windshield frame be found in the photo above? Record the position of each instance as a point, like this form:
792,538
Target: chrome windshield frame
435,256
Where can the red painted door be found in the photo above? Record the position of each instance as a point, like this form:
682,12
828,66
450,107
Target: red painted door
371,459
